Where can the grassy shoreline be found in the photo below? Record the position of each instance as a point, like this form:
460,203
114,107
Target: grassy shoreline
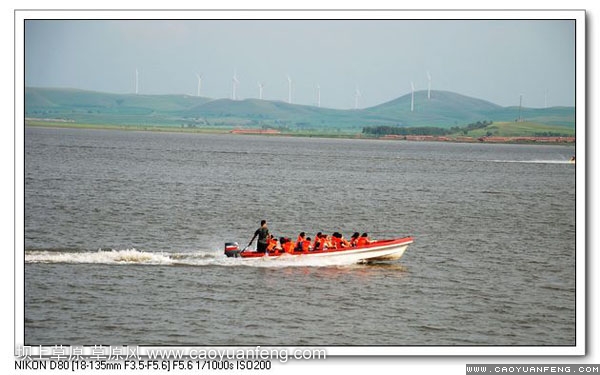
227,130
174,129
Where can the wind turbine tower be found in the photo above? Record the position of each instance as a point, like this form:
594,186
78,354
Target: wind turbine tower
261,86
318,95
234,83
412,96
357,95
199,84
428,86
136,81
520,106
289,89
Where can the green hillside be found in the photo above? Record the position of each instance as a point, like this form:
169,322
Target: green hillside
277,114
559,116
526,128
104,108
444,109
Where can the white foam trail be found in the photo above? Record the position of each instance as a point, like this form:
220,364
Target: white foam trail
287,260
199,258
128,256
532,161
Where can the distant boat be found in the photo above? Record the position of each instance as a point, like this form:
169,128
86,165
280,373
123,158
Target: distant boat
572,160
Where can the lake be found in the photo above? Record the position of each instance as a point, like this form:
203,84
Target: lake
124,235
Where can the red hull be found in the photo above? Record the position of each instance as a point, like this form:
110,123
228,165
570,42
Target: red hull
372,246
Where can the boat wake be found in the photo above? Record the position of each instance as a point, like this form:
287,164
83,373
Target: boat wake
532,161
128,256
198,258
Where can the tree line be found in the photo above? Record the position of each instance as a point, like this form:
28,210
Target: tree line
423,130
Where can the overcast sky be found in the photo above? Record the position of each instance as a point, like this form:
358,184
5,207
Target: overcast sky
489,59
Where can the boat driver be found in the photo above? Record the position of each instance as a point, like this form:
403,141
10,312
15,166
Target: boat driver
263,237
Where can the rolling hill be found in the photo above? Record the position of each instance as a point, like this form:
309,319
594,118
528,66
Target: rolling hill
444,109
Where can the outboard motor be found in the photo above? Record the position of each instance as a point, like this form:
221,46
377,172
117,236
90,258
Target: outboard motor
232,249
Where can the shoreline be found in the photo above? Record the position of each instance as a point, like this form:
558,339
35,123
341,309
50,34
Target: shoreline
54,123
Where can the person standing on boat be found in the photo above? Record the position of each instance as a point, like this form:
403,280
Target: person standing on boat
263,237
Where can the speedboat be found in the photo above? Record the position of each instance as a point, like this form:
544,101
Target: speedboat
380,250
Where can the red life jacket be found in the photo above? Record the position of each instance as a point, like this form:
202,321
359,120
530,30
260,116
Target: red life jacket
317,243
272,244
336,242
327,243
288,247
299,243
305,246
362,241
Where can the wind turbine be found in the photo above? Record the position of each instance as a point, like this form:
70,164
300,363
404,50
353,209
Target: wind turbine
520,106
318,95
428,86
136,81
234,83
412,96
199,83
357,95
289,89
261,86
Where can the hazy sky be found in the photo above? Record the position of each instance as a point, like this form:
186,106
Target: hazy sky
489,59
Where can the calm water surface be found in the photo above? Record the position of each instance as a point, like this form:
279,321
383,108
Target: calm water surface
124,234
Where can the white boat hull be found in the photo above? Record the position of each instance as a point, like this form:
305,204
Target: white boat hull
393,252
384,250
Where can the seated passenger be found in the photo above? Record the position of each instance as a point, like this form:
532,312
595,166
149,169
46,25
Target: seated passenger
345,242
272,244
289,246
339,241
354,239
326,242
306,245
282,244
318,242
363,240
301,239
336,240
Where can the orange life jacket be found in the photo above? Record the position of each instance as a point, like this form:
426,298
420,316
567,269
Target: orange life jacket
316,243
305,246
299,242
336,242
326,243
288,247
362,241
272,244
